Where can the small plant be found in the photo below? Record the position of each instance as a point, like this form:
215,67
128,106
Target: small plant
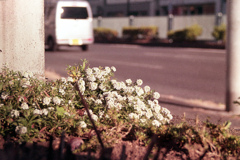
134,33
188,34
105,34
219,32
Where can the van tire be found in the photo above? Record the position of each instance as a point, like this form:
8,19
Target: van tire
52,46
84,47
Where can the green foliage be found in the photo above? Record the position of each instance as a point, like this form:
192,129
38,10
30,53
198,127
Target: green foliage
187,34
105,34
219,32
208,140
134,33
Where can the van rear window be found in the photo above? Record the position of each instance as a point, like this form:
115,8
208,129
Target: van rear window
74,13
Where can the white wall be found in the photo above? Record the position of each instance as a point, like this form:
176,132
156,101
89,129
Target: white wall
207,22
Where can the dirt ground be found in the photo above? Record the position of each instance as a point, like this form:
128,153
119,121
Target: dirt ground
124,150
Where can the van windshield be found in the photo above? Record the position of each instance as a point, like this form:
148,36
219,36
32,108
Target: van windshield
74,13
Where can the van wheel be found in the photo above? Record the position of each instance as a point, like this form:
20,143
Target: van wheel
84,47
51,45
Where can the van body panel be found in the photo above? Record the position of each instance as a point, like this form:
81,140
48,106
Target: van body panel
69,23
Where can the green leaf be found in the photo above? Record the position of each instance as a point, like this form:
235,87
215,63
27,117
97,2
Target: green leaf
60,111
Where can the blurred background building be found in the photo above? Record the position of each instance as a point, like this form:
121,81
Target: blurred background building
122,8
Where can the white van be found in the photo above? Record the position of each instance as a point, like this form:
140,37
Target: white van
68,23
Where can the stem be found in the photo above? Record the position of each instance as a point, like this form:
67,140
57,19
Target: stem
89,115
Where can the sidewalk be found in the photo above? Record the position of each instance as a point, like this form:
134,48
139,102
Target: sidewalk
215,113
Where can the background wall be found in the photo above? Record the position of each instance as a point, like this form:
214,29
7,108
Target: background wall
207,22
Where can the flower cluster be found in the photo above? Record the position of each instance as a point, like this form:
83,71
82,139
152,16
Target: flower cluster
28,105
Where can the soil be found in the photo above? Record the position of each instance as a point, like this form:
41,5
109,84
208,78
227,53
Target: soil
126,150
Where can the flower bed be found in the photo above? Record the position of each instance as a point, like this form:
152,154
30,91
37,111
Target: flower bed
31,109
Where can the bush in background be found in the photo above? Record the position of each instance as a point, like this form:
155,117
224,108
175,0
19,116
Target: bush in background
105,34
219,32
187,34
134,33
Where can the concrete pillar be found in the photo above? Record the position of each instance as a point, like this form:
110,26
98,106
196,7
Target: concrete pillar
233,56
22,35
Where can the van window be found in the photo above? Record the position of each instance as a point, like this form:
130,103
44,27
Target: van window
74,13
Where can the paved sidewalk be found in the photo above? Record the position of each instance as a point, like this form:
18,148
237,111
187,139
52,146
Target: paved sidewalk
213,112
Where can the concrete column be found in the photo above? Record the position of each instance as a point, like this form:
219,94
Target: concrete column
233,56
22,35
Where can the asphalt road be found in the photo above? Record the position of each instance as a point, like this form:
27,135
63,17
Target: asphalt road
188,73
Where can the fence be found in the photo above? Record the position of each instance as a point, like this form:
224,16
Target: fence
164,23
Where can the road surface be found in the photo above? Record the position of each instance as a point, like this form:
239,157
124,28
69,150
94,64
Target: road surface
188,73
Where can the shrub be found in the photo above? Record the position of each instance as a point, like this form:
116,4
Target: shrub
30,109
105,34
187,34
219,32
140,32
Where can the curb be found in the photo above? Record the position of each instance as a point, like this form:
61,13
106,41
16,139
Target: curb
191,103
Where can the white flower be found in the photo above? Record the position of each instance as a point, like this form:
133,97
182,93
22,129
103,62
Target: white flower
157,108
156,95
37,111
103,87
128,81
139,82
68,114
149,114
160,117
61,91
118,106
88,71
143,120
56,100
98,101
147,89
108,70
81,84
28,74
26,83
21,130
4,95
156,123
45,111
1,105
63,80
165,111
117,85
15,113
113,69
110,103
94,117
91,78
50,108
129,89
46,100
101,113
24,106
70,79
139,91
20,98
82,124
133,116
93,86
95,69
